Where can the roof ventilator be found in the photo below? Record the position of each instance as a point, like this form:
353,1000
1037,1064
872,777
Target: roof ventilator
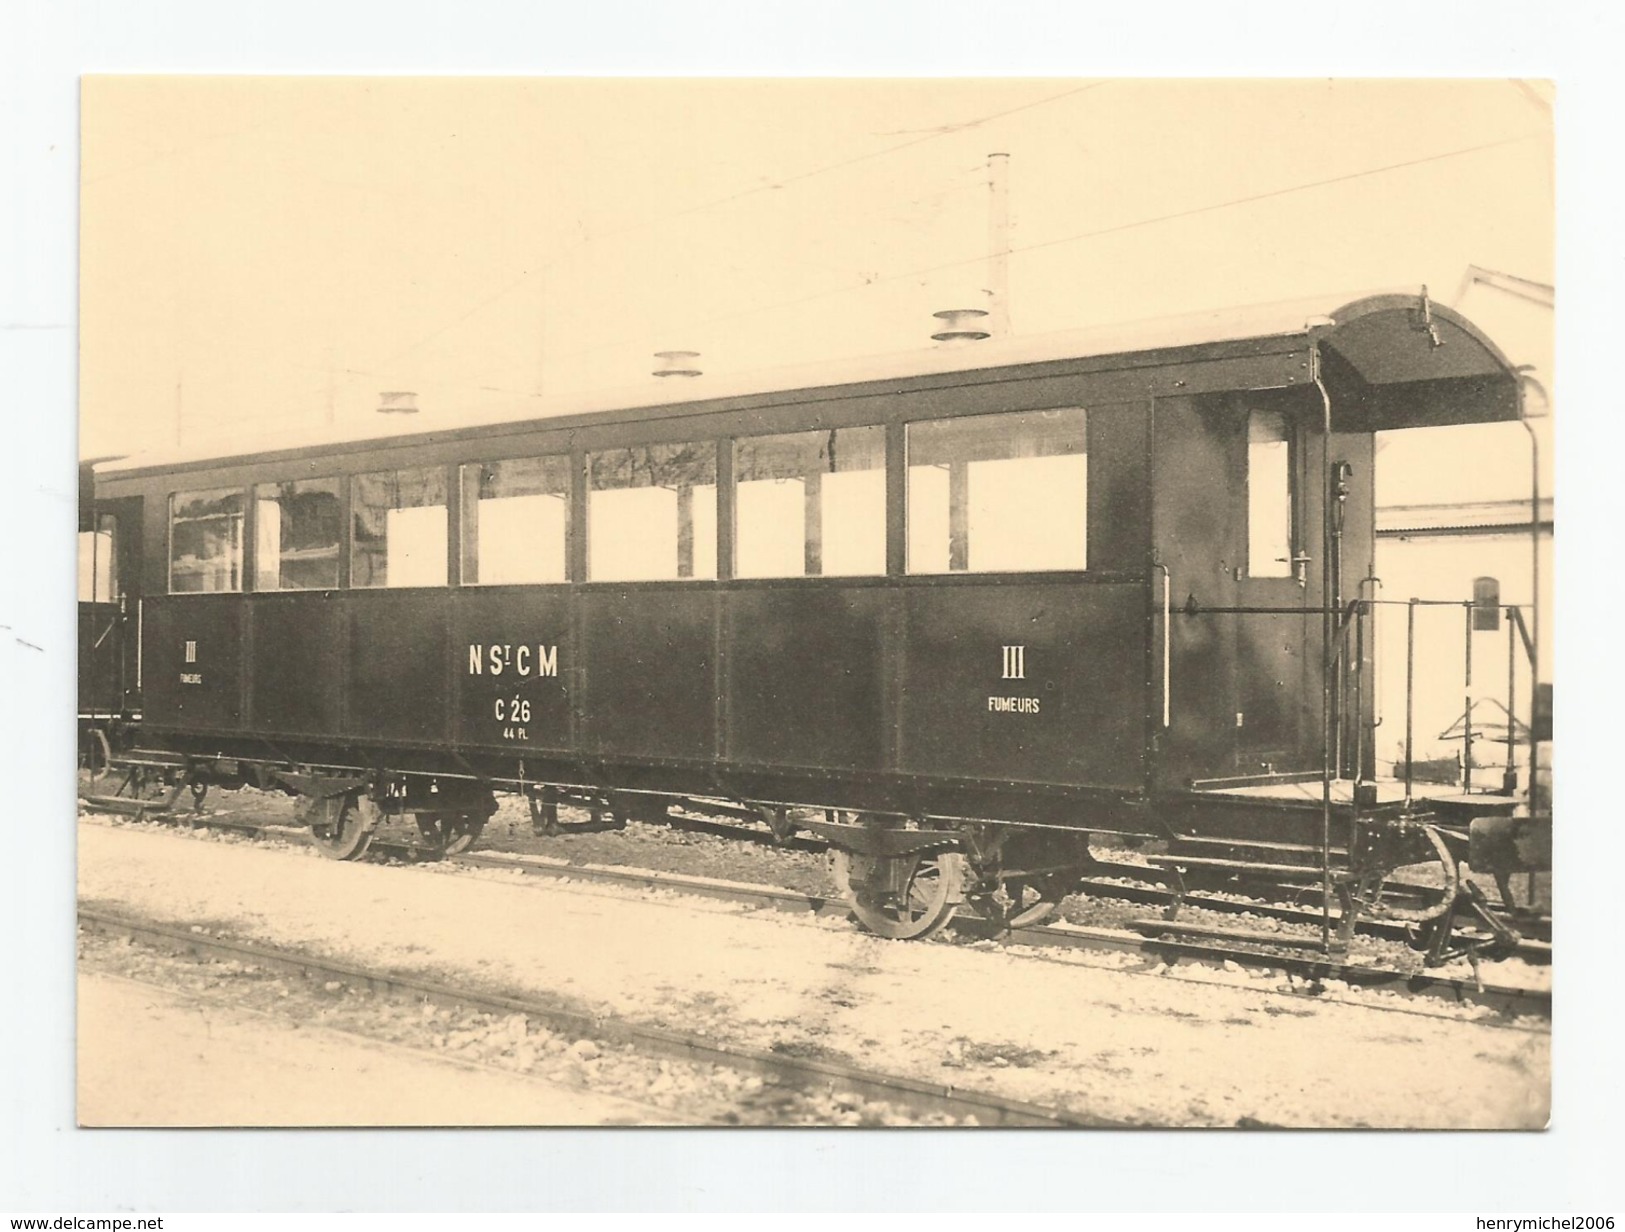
677,363
961,326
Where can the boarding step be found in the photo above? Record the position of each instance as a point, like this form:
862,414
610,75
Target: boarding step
125,804
1214,864
1254,844
1159,928
1463,809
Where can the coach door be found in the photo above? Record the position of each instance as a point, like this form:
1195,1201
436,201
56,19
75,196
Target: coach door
1277,648
1242,689
109,608
1279,589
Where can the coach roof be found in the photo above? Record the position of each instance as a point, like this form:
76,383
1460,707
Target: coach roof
1392,360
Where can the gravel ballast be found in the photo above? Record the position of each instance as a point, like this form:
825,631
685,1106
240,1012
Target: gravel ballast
1110,1043
255,1045
647,847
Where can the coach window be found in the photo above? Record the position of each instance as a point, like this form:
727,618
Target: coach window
1269,495
998,493
516,520
811,503
652,513
298,529
98,561
400,528
206,541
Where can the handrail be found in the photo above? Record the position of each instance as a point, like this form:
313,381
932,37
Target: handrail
1350,622
1516,617
1467,710
111,625
1376,645
1509,776
1346,621
1329,599
1167,646
1265,609
1410,697
1532,643
1516,629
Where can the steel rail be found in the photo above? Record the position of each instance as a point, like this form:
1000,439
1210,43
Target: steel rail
1532,951
1535,950
798,1073
1505,997
1319,968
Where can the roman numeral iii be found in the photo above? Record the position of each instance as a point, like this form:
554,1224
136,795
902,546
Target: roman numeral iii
1015,663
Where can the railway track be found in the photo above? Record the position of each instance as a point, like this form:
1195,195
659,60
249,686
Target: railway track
1210,896
1535,946
795,1073
1312,970
1537,949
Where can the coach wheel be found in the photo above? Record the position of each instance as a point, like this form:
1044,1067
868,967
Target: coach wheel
98,755
450,833
544,814
1022,902
341,826
1418,892
906,898
463,832
779,823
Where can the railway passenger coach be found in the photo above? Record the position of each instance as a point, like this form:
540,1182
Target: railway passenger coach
955,613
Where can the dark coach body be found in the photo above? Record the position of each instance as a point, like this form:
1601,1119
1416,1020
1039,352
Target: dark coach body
1065,583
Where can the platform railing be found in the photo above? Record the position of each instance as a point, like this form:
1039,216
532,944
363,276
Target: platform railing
1518,633
1346,665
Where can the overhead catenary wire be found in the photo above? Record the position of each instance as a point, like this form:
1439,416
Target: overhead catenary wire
1078,237
376,373
947,130
777,183
486,387
539,268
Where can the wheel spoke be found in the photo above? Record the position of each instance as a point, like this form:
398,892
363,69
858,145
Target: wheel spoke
341,826
924,907
461,830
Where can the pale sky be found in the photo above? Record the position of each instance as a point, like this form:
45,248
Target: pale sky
256,250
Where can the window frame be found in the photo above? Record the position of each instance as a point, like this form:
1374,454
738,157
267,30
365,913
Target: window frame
721,447
450,475
903,466
341,485
245,563
881,428
1293,439
893,426
575,477
102,524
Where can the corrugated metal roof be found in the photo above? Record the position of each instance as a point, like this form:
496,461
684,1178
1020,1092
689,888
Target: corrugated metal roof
1509,515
